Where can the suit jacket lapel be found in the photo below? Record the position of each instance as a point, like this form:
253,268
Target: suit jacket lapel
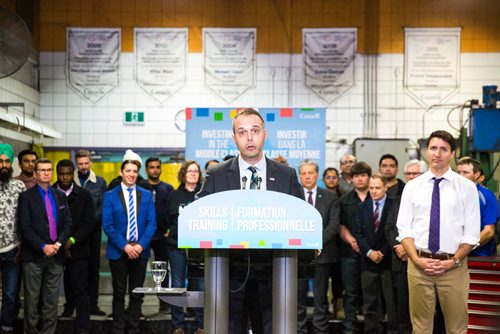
271,175
384,214
122,199
40,201
58,203
233,175
138,201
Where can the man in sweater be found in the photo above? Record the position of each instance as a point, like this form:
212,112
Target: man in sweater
10,190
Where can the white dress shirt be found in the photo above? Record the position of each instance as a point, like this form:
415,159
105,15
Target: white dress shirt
244,171
460,220
314,191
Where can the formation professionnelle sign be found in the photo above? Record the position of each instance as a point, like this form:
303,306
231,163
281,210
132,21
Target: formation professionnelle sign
242,219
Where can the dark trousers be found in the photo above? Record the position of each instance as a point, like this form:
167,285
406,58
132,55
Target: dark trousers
337,284
322,273
254,302
10,288
376,284
44,273
351,276
125,270
400,282
77,293
302,288
94,265
178,270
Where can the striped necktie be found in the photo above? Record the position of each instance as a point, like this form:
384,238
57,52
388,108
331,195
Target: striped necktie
254,184
132,224
376,216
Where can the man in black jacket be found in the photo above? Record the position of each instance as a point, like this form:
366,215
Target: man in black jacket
349,248
77,247
375,252
249,134
327,203
45,224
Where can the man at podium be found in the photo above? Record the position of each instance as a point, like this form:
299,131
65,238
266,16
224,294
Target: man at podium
250,298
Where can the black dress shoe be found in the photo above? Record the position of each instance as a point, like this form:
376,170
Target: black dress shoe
97,311
67,313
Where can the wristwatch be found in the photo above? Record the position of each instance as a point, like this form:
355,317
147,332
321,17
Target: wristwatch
458,262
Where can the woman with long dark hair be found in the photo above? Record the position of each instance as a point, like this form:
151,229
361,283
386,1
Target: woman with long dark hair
190,178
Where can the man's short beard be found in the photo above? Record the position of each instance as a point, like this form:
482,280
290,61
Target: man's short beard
6,174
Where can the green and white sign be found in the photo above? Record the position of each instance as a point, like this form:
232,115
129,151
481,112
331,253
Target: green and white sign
134,117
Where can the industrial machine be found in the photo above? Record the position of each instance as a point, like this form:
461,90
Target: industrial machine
483,135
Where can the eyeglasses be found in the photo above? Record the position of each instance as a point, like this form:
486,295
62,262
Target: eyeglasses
45,170
345,162
6,161
193,172
412,174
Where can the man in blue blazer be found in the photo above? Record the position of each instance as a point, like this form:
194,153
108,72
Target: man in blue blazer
45,225
375,256
129,221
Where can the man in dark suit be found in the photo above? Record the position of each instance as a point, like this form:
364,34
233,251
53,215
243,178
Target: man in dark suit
375,256
76,288
254,297
45,223
86,178
399,265
129,221
326,202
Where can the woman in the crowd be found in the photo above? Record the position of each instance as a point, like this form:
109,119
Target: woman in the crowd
331,180
190,178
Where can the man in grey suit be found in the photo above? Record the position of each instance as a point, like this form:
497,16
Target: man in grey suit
250,170
326,202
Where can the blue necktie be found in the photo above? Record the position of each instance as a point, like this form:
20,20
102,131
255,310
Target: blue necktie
131,216
435,218
255,178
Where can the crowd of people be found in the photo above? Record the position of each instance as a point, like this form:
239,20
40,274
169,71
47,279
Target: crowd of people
383,255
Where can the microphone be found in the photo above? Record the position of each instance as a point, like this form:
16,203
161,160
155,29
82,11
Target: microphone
244,179
259,181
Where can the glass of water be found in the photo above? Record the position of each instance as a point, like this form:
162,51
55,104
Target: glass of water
159,271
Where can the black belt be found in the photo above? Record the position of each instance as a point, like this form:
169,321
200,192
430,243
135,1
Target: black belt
439,256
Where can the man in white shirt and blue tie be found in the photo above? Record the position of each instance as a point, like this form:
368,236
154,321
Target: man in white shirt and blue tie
439,224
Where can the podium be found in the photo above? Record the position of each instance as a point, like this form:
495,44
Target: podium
239,219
